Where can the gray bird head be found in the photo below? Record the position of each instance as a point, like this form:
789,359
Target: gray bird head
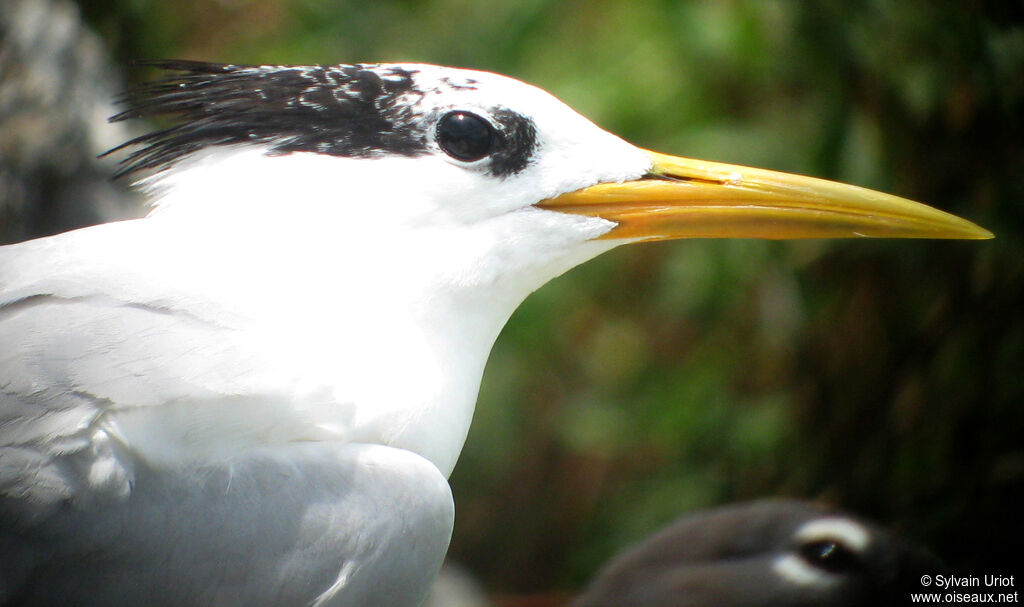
772,553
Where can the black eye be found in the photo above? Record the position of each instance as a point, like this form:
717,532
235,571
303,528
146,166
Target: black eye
829,555
465,136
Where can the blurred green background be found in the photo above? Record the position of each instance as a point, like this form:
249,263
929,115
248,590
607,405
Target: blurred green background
883,376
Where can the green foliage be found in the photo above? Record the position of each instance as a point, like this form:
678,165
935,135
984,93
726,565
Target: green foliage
885,376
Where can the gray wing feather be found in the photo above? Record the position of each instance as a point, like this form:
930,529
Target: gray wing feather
94,356
86,356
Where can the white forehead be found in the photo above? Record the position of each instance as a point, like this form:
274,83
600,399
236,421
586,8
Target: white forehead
441,88
448,82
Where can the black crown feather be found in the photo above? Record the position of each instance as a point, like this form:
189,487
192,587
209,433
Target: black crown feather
342,110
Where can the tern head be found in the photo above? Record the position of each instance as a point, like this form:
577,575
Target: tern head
420,145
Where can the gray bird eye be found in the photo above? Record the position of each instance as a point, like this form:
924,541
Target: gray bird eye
465,136
829,555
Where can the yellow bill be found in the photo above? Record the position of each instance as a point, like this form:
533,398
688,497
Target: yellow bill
686,198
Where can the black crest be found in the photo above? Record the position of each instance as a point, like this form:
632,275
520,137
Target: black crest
343,110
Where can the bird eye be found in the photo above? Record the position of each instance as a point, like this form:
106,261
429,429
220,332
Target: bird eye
829,555
465,136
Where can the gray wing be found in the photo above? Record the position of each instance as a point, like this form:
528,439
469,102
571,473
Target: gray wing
73,371
106,358
77,351
109,380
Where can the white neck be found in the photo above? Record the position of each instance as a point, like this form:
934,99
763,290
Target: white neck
394,315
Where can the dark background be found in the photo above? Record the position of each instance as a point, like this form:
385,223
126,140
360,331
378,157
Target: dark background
886,377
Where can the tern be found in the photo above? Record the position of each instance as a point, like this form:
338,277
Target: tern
255,394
